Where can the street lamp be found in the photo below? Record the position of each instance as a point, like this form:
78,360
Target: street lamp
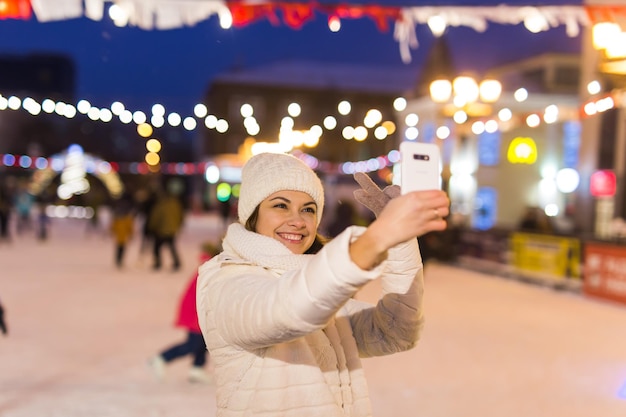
610,40
466,94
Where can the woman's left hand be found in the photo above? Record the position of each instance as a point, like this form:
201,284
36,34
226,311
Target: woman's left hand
371,196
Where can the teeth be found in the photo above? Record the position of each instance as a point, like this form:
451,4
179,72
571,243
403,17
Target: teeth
292,237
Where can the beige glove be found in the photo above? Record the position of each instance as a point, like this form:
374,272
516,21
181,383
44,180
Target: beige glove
371,196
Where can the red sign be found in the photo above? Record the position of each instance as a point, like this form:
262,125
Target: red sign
603,184
605,271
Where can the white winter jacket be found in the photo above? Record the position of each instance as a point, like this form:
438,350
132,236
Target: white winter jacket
284,333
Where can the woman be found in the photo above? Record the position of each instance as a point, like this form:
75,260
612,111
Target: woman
276,306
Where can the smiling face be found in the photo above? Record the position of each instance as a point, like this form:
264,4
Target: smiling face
289,217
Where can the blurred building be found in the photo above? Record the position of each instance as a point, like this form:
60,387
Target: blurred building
38,131
39,77
503,155
603,150
317,89
39,118
330,111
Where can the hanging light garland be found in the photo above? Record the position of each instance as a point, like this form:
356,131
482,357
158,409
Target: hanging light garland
597,104
171,14
146,124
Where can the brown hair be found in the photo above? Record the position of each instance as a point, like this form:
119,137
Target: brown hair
317,245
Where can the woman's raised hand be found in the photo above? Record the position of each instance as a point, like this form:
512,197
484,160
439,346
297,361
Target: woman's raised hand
405,217
411,215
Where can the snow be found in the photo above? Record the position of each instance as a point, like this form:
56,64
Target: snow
81,332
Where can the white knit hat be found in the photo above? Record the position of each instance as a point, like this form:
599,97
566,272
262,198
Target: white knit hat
266,173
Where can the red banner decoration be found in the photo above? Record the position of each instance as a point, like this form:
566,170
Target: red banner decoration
295,15
381,15
15,9
245,14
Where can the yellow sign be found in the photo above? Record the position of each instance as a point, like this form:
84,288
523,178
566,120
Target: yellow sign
522,151
545,256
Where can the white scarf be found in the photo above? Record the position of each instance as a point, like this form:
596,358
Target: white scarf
261,250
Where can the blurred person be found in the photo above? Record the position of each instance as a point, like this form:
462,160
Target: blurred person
5,213
276,307
23,204
566,223
165,222
187,318
345,215
93,223
3,325
145,199
97,201
226,208
42,221
122,228
535,220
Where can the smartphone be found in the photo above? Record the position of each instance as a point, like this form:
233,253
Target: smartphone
419,167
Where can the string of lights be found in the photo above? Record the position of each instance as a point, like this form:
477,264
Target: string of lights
598,103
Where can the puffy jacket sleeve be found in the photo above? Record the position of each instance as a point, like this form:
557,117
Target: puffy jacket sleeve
251,307
395,323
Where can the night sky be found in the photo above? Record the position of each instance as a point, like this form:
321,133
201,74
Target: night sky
175,67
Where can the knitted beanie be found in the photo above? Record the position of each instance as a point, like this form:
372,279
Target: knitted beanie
267,173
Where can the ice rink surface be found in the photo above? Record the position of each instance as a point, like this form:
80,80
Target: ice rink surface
81,331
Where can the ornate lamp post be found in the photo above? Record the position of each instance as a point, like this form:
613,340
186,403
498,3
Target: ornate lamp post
465,94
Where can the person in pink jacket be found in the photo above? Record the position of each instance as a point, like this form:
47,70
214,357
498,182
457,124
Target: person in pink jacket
187,318
276,307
